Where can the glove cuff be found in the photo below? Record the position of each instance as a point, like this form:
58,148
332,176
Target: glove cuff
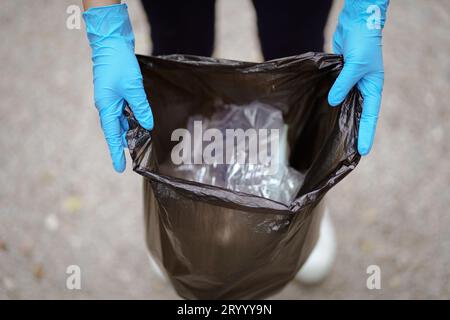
371,13
108,22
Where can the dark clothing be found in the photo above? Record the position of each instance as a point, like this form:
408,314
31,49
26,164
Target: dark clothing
285,27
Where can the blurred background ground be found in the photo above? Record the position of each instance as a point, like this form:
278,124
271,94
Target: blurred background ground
62,204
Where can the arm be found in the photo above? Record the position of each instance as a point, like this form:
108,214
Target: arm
117,76
87,4
358,38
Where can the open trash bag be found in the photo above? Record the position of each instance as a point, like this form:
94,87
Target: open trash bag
228,231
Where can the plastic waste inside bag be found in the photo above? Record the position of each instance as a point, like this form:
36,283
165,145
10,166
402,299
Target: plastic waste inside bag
225,231
273,179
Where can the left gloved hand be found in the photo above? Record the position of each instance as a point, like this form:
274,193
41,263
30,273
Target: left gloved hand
358,38
117,76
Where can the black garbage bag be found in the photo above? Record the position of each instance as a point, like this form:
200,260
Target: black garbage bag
219,243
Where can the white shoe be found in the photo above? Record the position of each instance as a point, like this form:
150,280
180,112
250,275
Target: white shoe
320,262
156,269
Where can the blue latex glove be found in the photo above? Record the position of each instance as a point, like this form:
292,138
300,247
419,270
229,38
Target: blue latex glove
358,39
117,76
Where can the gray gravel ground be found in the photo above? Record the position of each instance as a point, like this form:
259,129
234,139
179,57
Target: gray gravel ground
62,204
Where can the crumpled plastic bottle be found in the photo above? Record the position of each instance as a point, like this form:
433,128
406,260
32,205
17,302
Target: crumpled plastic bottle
276,181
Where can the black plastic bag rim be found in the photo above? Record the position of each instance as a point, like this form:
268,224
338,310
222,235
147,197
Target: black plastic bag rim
225,197
190,60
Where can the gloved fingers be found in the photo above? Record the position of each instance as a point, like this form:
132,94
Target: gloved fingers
125,127
347,79
371,89
137,100
113,134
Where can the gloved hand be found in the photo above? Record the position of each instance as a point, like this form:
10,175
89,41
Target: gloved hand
117,76
358,39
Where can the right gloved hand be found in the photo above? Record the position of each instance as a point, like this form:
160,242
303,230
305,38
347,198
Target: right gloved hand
117,76
358,38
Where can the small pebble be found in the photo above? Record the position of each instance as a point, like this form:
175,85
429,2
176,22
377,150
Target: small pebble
38,271
3,246
52,222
